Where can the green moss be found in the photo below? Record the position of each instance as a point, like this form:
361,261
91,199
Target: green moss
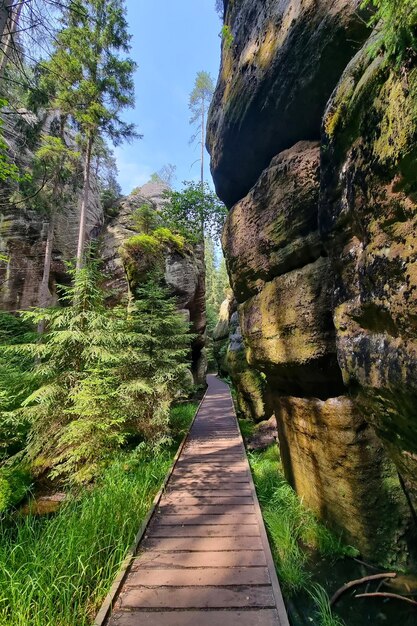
166,236
142,243
397,108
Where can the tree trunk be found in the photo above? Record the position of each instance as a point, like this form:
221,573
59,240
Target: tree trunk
84,205
44,293
9,19
203,122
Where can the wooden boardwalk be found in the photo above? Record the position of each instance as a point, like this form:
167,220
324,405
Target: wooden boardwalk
205,559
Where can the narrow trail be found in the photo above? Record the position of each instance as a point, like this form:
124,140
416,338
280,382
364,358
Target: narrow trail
205,559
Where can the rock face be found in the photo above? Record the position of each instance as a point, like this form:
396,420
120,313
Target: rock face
320,246
229,351
368,220
275,78
23,232
184,268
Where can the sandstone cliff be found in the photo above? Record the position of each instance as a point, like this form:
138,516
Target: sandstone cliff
23,231
311,147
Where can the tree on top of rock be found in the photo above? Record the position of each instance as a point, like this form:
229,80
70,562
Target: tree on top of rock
199,102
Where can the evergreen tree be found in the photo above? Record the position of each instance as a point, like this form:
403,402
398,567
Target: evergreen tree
199,103
100,376
94,82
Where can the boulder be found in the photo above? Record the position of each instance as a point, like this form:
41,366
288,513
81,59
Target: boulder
289,333
276,75
276,221
337,464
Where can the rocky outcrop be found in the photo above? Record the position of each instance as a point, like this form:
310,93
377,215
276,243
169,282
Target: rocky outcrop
335,460
320,248
368,220
183,267
229,351
276,75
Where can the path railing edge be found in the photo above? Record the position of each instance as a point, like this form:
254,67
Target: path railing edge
109,600
276,587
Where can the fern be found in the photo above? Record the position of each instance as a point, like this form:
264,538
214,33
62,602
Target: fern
396,28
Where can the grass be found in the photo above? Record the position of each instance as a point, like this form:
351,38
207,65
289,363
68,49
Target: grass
324,614
56,571
247,428
294,532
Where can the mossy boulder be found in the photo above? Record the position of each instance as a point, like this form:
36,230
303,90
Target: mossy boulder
339,467
276,221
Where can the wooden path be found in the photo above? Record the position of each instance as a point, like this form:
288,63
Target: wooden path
205,559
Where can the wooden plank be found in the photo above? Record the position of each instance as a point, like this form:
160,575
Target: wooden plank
194,598
203,544
257,617
186,520
235,558
201,509
201,530
207,576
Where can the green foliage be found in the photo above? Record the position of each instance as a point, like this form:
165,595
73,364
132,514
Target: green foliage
194,212
16,381
324,613
200,96
396,27
181,416
290,524
166,236
145,244
95,82
9,172
217,283
226,36
53,178
101,377
15,483
57,571
145,219
105,169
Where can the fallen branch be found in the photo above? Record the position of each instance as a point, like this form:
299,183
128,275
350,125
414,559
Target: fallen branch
359,581
381,594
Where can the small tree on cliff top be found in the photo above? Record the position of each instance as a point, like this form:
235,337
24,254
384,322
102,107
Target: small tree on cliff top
92,82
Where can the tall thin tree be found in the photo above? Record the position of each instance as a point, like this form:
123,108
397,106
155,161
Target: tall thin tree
200,99
96,80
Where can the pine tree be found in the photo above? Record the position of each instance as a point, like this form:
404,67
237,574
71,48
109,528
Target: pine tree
156,366
100,376
92,82
199,102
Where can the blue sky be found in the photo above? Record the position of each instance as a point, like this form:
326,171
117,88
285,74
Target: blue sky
172,41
